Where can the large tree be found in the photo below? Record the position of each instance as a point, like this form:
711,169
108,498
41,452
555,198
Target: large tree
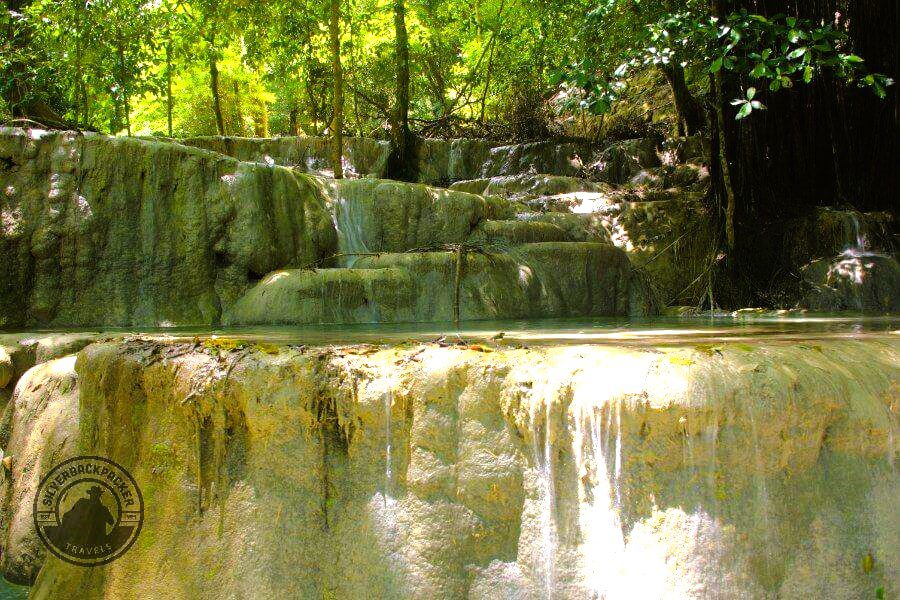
401,164
779,78
337,73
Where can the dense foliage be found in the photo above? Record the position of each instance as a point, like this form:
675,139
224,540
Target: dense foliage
113,65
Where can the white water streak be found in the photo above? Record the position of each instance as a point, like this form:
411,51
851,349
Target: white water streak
543,460
604,548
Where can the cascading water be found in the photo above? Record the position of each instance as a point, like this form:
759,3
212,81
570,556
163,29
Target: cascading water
349,220
388,404
549,540
604,542
859,244
384,506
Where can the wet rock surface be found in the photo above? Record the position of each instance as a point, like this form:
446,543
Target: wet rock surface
744,469
116,231
863,282
120,231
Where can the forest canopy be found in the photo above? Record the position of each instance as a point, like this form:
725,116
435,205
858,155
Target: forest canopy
114,65
507,68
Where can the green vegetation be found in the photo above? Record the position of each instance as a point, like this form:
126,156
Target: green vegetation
794,99
200,67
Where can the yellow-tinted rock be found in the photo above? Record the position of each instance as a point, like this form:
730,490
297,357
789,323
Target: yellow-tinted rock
580,471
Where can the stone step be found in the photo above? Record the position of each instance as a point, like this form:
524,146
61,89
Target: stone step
528,186
519,232
548,279
327,296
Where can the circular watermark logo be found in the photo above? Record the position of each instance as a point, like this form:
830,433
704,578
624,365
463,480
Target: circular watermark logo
88,511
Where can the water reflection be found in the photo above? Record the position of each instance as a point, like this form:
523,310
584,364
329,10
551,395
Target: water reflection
619,331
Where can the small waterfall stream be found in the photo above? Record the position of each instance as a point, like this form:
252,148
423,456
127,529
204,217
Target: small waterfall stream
859,246
543,460
604,540
349,220
388,473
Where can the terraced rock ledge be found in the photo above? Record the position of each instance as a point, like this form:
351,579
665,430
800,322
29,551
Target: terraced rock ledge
482,470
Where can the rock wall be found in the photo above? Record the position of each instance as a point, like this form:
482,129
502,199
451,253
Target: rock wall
363,156
442,162
379,215
438,161
101,231
742,470
118,231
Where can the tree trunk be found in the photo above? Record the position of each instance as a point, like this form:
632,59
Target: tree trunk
294,123
238,127
354,78
487,80
169,86
718,95
718,81
687,107
490,66
264,118
214,86
115,123
400,165
337,120
123,80
80,92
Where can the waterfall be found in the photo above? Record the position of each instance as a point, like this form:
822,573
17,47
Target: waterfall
762,489
388,475
604,540
859,244
349,219
384,507
549,541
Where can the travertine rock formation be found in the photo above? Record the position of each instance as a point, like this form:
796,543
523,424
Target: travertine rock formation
741,470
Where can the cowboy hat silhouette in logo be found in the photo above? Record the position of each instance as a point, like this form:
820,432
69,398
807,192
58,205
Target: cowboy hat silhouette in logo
88,511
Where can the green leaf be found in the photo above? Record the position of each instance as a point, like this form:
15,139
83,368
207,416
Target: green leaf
750,93
716,66
852,58
807,74
746,109
775,85
797,53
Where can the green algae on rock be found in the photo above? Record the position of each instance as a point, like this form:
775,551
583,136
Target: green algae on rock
118,231
106,231
759,469
523,281
376,215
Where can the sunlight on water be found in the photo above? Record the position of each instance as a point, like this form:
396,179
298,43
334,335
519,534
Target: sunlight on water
618,331
604,545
